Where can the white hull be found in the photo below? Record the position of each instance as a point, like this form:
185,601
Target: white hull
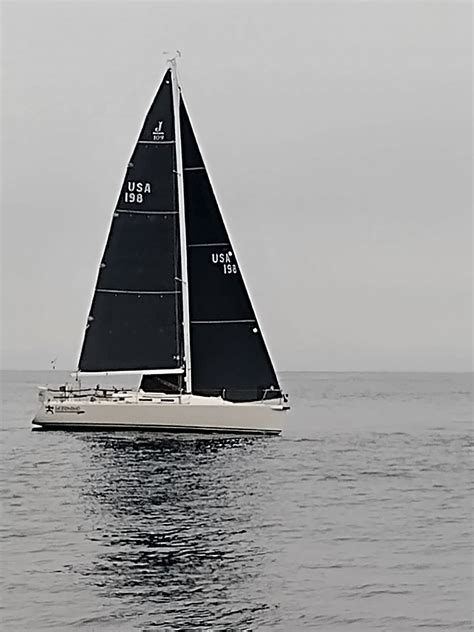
135,411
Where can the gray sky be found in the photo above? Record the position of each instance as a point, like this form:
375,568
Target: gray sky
338,139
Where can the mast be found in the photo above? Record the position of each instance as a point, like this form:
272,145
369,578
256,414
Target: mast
182,225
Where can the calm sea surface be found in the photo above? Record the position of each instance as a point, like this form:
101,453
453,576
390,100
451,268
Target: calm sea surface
357,518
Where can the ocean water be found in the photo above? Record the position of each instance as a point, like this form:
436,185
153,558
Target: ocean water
357,518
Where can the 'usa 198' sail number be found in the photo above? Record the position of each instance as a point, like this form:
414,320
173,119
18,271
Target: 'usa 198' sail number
224,259
136,190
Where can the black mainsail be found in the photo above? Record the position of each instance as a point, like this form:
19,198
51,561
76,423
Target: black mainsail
135,320
138,320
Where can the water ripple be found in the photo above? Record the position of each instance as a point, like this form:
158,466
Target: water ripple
358,518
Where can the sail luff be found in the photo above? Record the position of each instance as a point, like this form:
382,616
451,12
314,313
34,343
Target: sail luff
182,228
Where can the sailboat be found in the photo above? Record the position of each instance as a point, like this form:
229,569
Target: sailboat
170,303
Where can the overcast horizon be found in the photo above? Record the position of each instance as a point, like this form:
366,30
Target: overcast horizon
337,137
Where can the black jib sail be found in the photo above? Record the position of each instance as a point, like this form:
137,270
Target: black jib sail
228,352
135,321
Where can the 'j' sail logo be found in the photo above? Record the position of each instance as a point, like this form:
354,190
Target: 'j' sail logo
158,133
225,259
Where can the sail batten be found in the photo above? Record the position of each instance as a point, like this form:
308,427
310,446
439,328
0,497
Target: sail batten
137,291
217,322
130,212
207,245
156,142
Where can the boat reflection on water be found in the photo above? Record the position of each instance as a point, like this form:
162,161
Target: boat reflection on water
173,518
